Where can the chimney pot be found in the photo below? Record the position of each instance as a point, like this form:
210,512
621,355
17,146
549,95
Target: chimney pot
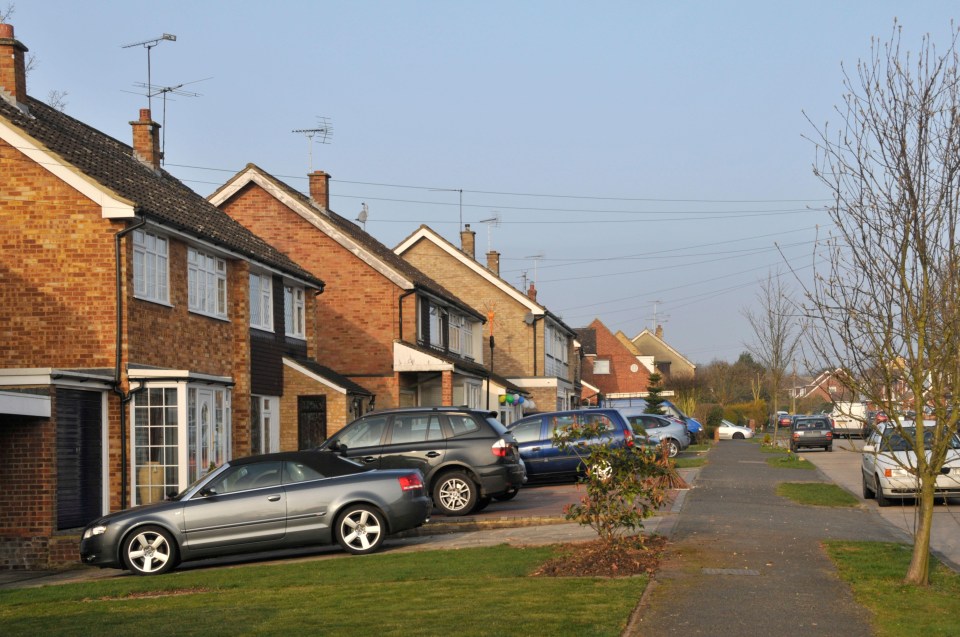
468,241
320,188
146,140
532,292
659,332
13,76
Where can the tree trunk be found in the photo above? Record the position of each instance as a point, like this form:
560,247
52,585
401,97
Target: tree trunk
918,572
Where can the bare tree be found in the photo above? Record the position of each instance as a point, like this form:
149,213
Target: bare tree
776,331
885,300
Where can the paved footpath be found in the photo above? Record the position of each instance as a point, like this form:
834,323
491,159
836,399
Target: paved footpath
745,562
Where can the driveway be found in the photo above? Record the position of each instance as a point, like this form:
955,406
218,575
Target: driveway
843,468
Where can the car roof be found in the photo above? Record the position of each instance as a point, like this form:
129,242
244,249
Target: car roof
439,409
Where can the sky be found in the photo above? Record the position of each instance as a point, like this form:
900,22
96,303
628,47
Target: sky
644,163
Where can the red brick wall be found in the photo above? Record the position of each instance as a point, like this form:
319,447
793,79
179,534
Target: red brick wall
357,316
621,379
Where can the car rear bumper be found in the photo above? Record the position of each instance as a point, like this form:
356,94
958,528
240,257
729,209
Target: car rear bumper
498,479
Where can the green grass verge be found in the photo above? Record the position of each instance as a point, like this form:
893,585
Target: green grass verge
689,463
875,572
699,448
817,494
790,461
481,591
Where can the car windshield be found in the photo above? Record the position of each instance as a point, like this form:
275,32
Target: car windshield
894,441
812,424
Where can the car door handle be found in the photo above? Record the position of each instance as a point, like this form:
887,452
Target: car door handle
433,454
274,498
369,459
534,448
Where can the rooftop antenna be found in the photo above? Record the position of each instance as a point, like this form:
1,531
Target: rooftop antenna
662,317
176,90
457,190
149,44
537,258
492,222
323,131
362,217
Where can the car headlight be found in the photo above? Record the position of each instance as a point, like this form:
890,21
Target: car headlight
100,529
896,473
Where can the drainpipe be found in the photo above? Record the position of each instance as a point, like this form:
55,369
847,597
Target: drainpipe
125,397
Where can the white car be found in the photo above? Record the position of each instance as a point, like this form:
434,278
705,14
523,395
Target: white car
888,464
730,431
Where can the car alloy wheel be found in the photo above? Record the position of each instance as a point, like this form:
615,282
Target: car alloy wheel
149,551
867,492
360,529
882,500
672,448
738,436
455,494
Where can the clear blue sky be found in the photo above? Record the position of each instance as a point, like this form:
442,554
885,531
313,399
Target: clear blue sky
652,152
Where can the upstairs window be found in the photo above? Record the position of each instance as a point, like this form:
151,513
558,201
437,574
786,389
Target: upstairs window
601,367
467,338
294,312
207,284
261,302
150,267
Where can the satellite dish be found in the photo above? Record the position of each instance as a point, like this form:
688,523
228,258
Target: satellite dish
362,217
528,319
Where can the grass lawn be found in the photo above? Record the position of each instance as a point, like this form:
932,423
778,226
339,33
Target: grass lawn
482,591
787,460
817,494
875,570
689,463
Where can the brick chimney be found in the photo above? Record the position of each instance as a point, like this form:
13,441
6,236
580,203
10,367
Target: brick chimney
320,188
493,262
532,293
146,140
468,241
659,332
13,76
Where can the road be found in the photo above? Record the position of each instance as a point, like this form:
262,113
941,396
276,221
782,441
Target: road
843,468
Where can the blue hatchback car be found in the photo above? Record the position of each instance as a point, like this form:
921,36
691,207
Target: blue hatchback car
543,460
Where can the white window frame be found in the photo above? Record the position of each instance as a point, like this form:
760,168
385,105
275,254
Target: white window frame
436,325
294,311
151,267
455,332
467,338
601,366
261,301
207,283
267,425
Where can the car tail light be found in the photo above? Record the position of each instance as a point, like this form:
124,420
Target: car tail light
627,437
501,448
796,435
829,435
410,482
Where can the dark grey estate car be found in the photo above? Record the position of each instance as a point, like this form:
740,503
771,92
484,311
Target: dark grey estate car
259,503
466,456
811,431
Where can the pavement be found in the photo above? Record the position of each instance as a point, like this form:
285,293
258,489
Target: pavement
743,561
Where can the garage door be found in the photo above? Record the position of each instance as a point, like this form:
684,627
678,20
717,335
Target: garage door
79,466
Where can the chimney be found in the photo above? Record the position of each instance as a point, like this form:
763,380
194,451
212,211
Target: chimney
493,262
146,140
468,241
532,293
320,188
659,332
13,76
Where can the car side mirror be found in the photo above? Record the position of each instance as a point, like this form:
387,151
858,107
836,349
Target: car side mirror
869,449
207,491
340,448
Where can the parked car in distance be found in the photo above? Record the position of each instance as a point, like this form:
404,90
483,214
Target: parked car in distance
729,431
467,456
637,405
889,455
811,431
545,461
671,432
259,503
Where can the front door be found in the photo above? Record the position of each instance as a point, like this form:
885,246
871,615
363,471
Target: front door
311,421
79,465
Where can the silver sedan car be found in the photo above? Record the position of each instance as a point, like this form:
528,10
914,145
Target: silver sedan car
729,431
261,503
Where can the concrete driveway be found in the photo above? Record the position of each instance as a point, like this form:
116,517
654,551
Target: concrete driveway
843,468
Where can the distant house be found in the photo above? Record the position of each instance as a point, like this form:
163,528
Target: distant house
145,334
387,326
533,348
668,361
827,386
610,364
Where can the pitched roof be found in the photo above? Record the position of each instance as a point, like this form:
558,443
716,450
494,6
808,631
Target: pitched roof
160,197
588,340
337,379
355,233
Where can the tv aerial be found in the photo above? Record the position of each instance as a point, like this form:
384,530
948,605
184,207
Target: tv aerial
149,44
492,222
168,90
323,131
362,217
537,258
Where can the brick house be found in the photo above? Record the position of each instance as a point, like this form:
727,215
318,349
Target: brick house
610,365
387,325
144,334
668,361
534,348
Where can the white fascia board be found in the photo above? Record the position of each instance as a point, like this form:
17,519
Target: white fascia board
177,374
112,206
315,219
538,382
407,359
311,375
425,233
17,404
590,386
38,376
